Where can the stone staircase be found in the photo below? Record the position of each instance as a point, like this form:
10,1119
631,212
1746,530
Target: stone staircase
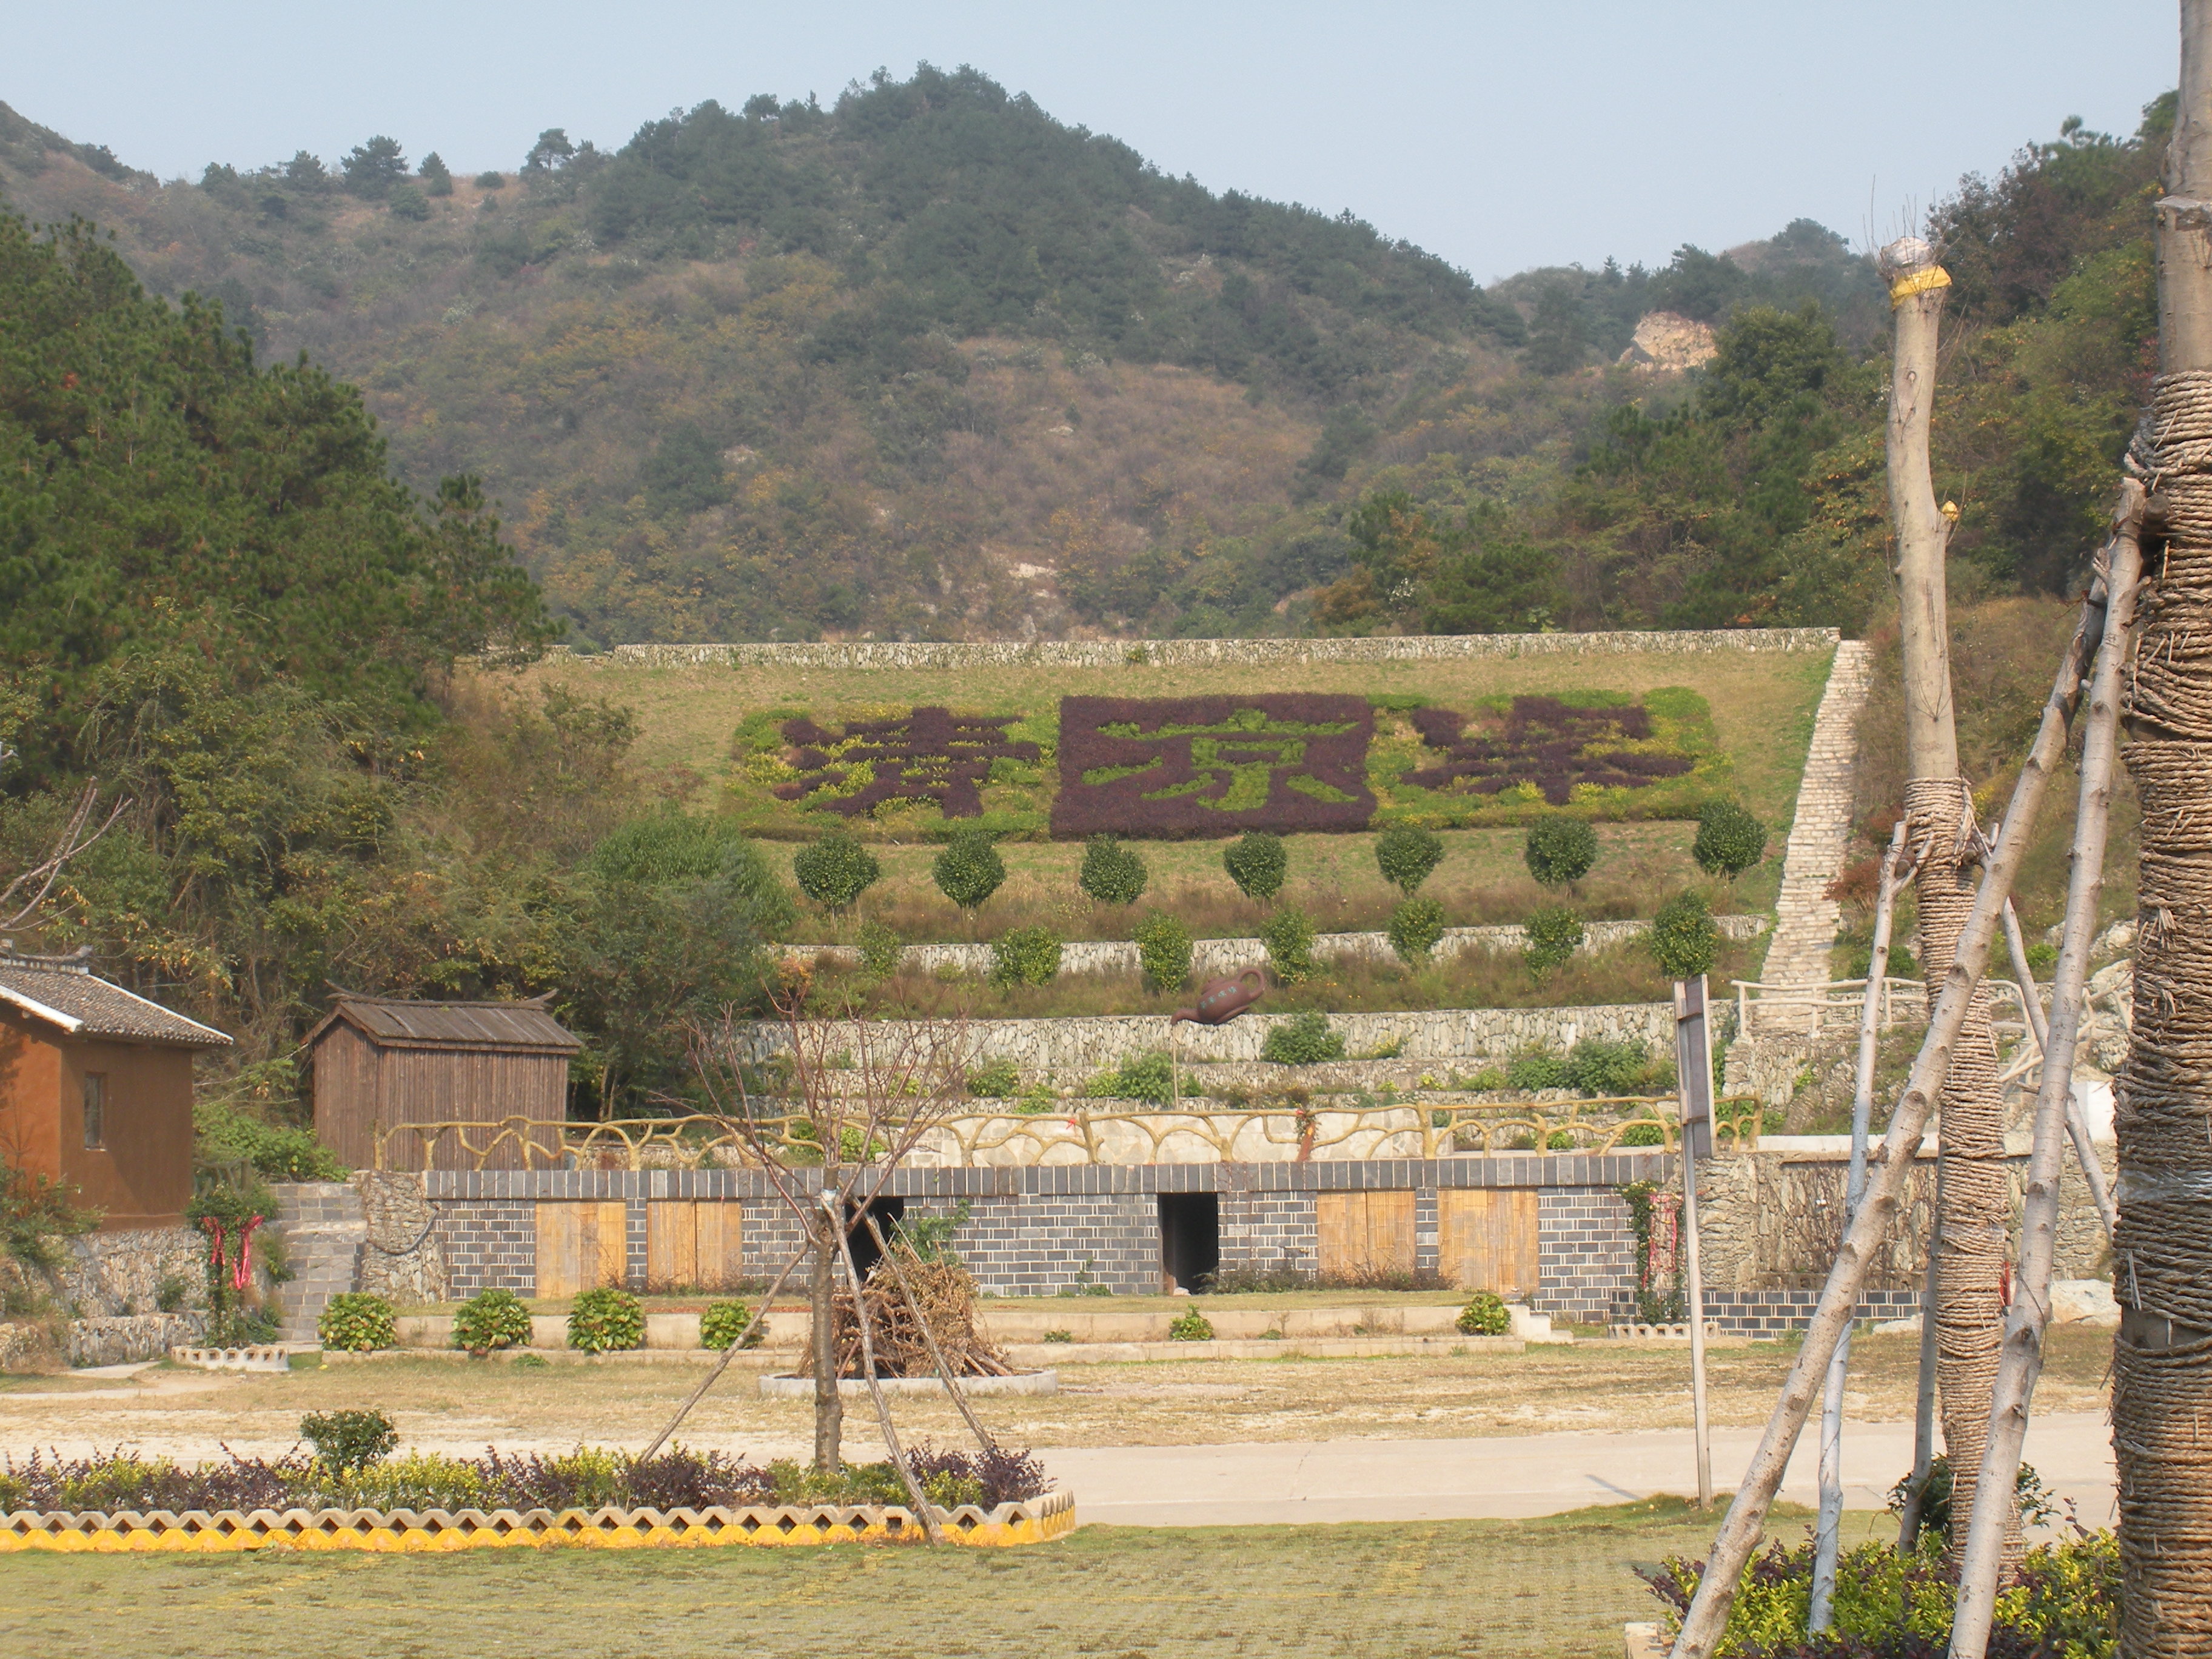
324,1229
1806,919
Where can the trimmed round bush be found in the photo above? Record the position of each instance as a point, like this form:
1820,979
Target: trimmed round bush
1559,851
1257,863
354,1321
1415,928
1484,1314
1112,873
606,1321
1164,952
970,870
1190,1326
835,870
724,1323
489,1320
1289,936
1729,839
1555,934
1406,854
347,1441
1025,955
1303,1040
880,950
1683,936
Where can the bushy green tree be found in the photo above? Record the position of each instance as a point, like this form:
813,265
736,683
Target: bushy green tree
1406,854
1416,926
1289,936
970,870
1163,951
1559,851
1303,1040
1025,955
372,168
1256,862
405,202
437,178
1729,839
1684,940
1112,873
1554,933
835,870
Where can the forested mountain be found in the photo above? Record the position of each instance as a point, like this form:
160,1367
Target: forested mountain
926,362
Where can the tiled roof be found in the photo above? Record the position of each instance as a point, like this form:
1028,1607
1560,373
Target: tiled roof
64,992
452,1024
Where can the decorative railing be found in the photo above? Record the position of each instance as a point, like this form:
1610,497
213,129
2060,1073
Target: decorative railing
1070,1132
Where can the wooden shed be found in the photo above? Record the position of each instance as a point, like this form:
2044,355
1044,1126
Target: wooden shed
382,1062
96,1089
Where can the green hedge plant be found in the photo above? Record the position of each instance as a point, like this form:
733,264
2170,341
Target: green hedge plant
491,1319
835,870
1163,952
723,1324
880,949
348,1441
1554,934
1257,863
1112,873
606,1321
1289,936
1025,955
1684,940
1416,928
1408,855
354,1321
970,870
1303,1040
1190,1326
994,1080
1484,1314
1729,839
1560,852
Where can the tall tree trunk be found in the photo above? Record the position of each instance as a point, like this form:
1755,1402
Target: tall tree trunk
1975,1209
828,1403
2163,1356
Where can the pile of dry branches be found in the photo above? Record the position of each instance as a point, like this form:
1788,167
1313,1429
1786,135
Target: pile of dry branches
946,1293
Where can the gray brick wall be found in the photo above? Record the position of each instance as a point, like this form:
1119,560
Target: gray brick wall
1038,1245
1267,1230
490,1244
1585,1251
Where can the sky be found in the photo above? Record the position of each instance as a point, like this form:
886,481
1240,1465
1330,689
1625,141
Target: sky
1500,136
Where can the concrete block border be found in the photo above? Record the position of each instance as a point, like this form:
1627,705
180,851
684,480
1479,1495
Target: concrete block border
1032,1521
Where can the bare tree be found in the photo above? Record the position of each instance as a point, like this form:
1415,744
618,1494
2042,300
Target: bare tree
851,1100
76,836
2162,1357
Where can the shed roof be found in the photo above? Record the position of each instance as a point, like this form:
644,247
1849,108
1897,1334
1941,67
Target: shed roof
397,1022
63,991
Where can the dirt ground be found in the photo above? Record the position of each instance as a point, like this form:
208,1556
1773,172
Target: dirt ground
460,1404
1556,1587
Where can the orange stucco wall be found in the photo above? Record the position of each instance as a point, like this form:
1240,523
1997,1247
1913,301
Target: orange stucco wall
142,1174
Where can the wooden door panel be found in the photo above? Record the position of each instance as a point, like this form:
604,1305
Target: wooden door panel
1364,1234
1487,1240
581,1247
697,1244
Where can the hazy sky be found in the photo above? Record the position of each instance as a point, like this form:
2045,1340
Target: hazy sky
1498,135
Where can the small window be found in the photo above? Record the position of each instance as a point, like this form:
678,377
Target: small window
96,1109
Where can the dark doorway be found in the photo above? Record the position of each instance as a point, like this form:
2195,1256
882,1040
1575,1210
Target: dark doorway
888,1212
1190,1240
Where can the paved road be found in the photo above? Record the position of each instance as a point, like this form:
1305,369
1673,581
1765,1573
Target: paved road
1263,1484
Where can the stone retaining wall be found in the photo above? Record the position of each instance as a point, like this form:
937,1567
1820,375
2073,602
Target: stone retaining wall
1082,1046
123,1274
1198,654
127,1341
1210,956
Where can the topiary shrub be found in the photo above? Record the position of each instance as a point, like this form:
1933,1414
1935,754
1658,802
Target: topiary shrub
1554,934
1559,851
1683,936
606,1321
1729,839
723,1324
1598,1067
1190,1326
1416,926
1536,1068
1256,862
1303,1040
970,870
1406,854
1112,873
1148,1077
355,1322
835,870
1289,936
346,1441
880,949
1163,952
994,1080
489,1320
1484,1314
1025,955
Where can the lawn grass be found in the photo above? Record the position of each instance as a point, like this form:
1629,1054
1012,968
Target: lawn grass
1557,1587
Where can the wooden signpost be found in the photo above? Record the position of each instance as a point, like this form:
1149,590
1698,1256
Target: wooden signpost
1693,1068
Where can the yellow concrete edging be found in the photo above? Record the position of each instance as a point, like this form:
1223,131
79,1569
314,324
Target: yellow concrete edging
1032,1521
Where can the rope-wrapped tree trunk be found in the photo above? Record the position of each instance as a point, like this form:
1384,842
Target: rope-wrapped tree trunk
2163,1356
1975,1208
